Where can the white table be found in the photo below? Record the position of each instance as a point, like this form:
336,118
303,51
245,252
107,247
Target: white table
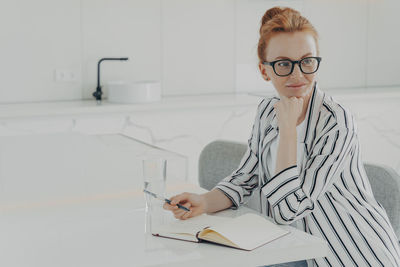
52,214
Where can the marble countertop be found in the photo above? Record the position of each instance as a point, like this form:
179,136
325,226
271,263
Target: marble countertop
82,107
62,108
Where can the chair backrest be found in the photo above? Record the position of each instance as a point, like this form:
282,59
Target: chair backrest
385,184
217,160
220,158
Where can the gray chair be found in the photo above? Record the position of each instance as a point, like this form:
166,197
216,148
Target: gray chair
220,158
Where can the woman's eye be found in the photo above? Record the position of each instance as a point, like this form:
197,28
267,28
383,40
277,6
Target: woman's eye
307,61
284,64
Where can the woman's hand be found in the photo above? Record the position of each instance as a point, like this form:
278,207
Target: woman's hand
288,112
196,203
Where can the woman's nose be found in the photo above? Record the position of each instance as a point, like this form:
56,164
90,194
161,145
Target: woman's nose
296,71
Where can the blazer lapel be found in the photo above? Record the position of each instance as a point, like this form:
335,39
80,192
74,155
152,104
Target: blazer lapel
312,118
271,133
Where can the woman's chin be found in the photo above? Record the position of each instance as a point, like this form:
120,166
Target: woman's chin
298,92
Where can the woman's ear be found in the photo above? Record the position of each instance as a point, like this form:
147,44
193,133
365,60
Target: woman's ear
263,72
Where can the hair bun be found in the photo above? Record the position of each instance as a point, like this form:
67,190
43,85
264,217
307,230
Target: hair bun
270,13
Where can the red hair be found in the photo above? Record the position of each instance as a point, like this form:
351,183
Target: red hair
282,19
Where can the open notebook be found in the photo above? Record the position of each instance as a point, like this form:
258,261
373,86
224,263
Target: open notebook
247,231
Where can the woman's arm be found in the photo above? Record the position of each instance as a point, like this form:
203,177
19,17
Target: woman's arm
215,201
212,201
287,149
288,111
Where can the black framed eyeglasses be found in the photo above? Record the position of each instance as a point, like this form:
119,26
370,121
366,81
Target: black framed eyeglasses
284,67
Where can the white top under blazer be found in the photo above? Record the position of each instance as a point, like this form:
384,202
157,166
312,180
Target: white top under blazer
273,149
328,194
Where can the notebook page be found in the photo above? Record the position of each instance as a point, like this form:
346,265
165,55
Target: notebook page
249,231
190,226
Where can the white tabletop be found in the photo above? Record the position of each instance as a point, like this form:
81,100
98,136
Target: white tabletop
58,225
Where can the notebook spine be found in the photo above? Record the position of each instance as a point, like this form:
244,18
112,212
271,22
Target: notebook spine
197,234
197,237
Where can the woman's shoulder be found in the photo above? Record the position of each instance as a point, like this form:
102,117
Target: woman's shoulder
334,114
266,105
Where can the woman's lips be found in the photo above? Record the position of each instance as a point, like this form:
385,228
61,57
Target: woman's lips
295,86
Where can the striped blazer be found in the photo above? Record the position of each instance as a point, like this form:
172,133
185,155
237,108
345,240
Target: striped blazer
328,194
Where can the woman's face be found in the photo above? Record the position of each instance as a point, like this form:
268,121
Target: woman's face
293,46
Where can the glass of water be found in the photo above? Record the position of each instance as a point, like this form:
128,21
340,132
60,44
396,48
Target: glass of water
154,179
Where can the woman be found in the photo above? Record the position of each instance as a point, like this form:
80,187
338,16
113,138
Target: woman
304,157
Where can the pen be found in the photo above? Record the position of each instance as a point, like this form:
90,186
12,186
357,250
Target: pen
165,199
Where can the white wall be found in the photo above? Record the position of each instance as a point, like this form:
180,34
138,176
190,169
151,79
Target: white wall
342,26
37,37
198,46
383,43
193,47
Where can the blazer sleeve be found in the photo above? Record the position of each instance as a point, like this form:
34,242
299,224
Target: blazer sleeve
292,195
241,183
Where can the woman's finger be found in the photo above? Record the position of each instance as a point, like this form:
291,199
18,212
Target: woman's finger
178,211
184,215
179,198
179,214
187,215
174,200
169,207
187,205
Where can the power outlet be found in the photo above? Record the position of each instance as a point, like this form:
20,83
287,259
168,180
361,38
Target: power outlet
65,76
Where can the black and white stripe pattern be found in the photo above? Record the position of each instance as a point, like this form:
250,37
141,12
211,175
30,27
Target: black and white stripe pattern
330,196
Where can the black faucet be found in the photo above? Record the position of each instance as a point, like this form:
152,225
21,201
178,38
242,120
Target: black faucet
97,94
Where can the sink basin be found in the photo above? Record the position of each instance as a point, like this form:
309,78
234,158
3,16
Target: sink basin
137,92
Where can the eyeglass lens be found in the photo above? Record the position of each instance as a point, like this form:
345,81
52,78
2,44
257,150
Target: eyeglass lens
307,65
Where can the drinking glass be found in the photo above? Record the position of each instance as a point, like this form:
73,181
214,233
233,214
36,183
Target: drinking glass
154,179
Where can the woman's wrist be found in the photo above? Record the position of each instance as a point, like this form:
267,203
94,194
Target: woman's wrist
288,131
204,201
215,200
